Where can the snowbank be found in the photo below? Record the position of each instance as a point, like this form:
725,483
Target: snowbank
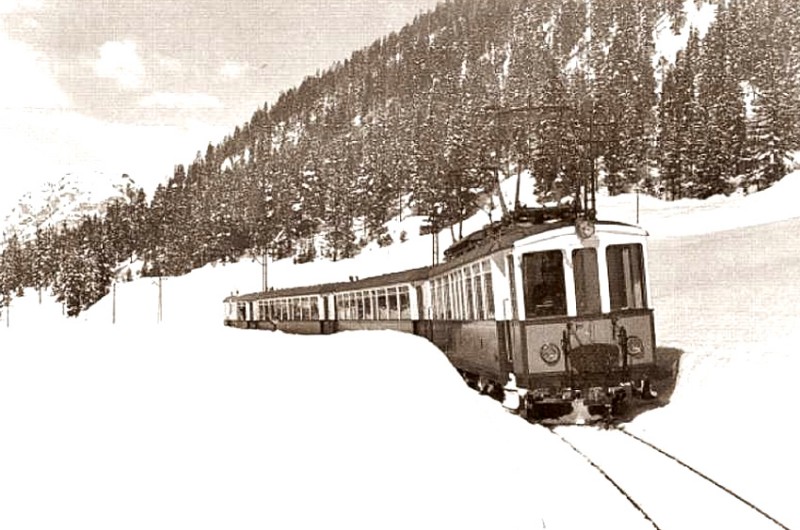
149,428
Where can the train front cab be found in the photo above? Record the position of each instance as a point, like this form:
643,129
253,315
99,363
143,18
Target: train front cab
580,337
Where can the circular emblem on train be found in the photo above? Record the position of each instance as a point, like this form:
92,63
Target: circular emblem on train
635,347
550,353
584,228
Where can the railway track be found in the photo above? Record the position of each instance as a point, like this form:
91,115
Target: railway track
668,492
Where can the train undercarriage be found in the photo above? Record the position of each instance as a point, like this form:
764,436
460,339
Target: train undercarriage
554,404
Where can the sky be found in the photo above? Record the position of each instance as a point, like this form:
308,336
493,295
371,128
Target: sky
139,86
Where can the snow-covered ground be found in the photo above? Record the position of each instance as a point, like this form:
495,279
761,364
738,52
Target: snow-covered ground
184,423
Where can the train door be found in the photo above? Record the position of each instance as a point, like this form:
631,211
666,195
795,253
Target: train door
506,322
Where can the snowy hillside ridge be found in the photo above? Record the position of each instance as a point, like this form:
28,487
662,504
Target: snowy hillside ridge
68,200
137,302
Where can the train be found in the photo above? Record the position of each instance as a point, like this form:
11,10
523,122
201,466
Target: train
551,314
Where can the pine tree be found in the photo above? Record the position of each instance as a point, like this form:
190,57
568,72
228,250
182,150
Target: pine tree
721,148
681,122
776,70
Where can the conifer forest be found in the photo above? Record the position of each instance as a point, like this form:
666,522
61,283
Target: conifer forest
431,118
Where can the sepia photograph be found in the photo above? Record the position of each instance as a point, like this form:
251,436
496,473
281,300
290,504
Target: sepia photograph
399,264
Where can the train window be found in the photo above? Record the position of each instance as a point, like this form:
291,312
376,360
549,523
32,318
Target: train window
455,285
298,309
471,304
543,284
512,279
314,309
438,296
442,300
393,303
434,299
587,281
405,305
368,305
461,309
488,291
382,305
469,293
626,276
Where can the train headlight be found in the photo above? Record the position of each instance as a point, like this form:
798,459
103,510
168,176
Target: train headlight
584,228
550,353
635,347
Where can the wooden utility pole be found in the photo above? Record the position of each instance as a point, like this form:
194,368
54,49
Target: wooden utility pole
265,260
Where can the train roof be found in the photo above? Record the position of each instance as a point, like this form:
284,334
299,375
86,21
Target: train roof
392,278
494,238
484,242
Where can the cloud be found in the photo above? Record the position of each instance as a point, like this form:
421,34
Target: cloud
168,64
120,61
233,69
43,146
14,6
178,100
28,80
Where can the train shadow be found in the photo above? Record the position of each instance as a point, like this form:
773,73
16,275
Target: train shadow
662,383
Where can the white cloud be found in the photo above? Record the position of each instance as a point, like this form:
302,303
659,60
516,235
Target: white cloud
44,146
13,6
120,61
168,64
30,23
27,80
233,69
178,100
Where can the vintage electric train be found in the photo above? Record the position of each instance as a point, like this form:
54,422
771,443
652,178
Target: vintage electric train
556,308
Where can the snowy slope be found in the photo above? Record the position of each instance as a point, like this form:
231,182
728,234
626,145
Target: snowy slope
189,424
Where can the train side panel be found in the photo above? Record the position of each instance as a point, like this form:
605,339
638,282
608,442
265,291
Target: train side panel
470,346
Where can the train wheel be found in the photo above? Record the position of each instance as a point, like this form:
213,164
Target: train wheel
470,379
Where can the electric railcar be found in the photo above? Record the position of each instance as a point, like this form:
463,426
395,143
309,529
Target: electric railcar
558,311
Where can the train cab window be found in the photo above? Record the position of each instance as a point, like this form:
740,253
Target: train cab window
543,284
626,276
587,281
